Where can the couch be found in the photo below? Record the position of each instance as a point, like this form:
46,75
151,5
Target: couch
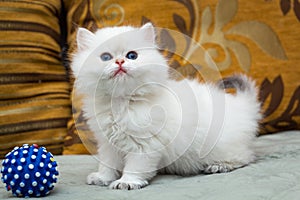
275,175
258,38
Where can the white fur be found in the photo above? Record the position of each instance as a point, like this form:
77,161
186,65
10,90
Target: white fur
146,123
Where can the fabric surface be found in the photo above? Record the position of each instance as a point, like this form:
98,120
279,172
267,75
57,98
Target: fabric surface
275,175
34,89
259,38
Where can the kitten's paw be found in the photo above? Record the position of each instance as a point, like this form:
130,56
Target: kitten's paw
96,178
218,168
128,185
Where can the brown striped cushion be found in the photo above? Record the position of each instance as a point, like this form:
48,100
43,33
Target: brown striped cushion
34,89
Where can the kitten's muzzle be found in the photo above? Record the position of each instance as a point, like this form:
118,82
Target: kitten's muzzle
120,70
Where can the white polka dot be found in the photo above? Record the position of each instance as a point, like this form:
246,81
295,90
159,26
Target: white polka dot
47,173
12,183
5,177
30,192
25,152
22,160
26,176
44,156
33,157
42,188
31,166
7,160
34,183
7,154
19,168
45,181
42,164
22,184
18,191
9,170
49,165
16,153
16,176
37,174
13,161
36,150
16,148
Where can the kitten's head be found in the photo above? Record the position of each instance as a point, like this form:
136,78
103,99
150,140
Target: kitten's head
119,61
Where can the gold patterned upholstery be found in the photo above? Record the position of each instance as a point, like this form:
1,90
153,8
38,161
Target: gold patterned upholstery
259,38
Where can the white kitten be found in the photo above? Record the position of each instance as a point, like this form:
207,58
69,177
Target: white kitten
146,123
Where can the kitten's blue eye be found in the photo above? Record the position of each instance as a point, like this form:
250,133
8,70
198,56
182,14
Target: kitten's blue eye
132,55
106,56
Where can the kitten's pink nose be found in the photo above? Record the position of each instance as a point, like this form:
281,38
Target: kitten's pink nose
120,61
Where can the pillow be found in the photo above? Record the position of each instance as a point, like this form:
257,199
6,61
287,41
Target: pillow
34,89
258,38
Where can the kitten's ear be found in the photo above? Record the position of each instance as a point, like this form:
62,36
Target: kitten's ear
149,32
84,39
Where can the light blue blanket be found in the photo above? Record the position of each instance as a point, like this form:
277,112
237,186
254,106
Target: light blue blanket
276,175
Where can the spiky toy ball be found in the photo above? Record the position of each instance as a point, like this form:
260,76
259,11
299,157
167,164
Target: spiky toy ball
29,171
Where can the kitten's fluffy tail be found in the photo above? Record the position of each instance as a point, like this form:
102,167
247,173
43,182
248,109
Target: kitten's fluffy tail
241,83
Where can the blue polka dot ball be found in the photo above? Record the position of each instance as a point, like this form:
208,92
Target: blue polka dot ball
29,171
